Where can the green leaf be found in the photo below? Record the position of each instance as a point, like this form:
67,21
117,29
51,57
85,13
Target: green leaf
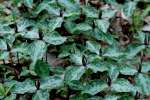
106,37
142,82
42,6
55,23
4,55
41,95
110,1
2,90
32,34
93,87
108,13
52,82
53,11
66,50
113,71
8,89
10,39
128,70
3,45
27,86
93,98
28,3
69,5
73,73
71,15
20,48
84,97
140,36
41,68
5,30
111,97
90,12
75,85
36,51
145,67
82,27
129,8
102,24
57,70
98,66
126,97
77,28
11,97
122,85
93,47
76,58
23,24
112,51
70,26
133,50
54,38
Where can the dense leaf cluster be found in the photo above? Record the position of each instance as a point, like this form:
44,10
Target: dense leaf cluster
101,46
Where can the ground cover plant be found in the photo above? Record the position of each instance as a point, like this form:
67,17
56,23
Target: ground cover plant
74,49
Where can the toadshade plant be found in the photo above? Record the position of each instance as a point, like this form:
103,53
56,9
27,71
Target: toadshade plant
74,50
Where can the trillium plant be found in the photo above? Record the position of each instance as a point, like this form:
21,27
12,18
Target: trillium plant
74,49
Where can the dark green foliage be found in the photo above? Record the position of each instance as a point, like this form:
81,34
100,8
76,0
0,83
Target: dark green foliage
100,50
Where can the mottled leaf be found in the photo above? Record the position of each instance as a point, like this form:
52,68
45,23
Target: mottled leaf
93,47
36,51
73,73
94,87
52,82
103,25
145,67
41,95
54,38
142,82
28,3
122,85
26,86
3,45
128,70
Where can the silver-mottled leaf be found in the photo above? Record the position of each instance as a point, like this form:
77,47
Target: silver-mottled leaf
143,82
32,34
28,3
26,86
102,24
73,73
41,95
93,47
145,67
3,45
93,87
98,66
54,38
51,82
128,70
122,85
36,51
